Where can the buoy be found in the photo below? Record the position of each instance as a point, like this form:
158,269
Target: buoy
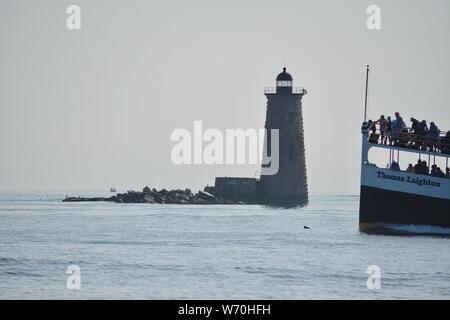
305,227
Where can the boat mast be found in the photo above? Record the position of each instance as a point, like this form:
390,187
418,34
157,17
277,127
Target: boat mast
367,86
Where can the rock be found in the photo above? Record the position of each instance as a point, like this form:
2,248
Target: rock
148,195
131,197
148,198
158,198
80,199
146,190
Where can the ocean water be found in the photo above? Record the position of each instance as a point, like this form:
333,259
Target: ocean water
142,251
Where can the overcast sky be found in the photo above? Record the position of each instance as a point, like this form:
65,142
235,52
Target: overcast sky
95,108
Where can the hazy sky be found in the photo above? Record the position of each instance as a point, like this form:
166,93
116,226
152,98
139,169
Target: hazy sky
94,108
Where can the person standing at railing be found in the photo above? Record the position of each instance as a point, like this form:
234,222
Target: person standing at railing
414,125
373,137
447,172
433,137
382,122
422,133
398,125
389,130
414,131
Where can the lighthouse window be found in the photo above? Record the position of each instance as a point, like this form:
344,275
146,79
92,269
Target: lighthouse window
284,83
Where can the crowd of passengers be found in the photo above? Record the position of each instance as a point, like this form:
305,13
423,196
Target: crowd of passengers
422,168
419,136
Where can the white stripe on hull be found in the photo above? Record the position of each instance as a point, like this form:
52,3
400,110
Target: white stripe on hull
400,181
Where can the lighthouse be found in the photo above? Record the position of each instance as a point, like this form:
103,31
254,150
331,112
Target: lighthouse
284,112
287,186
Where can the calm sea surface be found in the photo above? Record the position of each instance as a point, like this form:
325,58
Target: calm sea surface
132,251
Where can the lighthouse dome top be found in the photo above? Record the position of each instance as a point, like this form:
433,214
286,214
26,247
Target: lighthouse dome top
284,76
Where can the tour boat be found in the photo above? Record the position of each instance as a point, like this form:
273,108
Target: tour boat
399,202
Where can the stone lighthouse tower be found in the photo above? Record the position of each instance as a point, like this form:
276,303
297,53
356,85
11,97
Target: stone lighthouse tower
288,187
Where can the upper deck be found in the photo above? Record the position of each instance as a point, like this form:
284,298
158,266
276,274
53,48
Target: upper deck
425,179
406,140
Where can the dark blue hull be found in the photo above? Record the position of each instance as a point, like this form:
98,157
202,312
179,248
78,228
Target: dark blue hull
386,211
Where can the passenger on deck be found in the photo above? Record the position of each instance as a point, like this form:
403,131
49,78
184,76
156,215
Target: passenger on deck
422,133
422,129
421,167
382,122
447,172
373,137
388,130
433,137
398,126
439,173
418,167
395,166
414,131
434,170
414,125
410,169
425,168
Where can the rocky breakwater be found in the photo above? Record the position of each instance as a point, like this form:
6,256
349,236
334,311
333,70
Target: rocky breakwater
163,196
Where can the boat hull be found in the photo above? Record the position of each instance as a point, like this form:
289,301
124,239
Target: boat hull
394,212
